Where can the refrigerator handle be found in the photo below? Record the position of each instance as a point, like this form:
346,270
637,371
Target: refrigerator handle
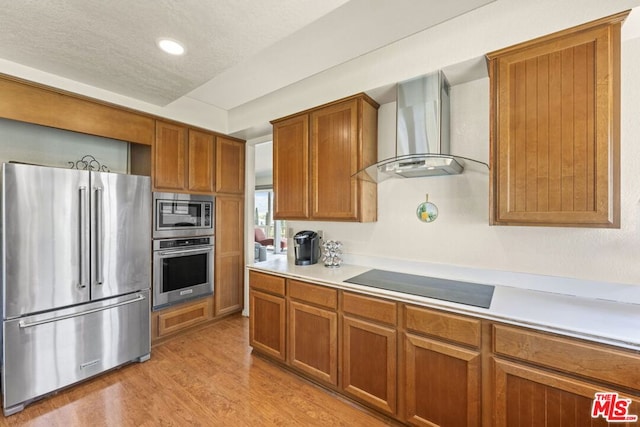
82,261
99,230
23,324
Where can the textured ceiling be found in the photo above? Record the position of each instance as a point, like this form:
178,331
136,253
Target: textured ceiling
112,44
237,50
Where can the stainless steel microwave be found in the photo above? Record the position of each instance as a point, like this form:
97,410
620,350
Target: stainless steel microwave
182,215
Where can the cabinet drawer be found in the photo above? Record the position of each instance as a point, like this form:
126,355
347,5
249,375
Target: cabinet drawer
267,282
319,295
370,308
573,356
171,321
452,327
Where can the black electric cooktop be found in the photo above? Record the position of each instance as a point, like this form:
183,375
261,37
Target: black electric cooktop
443,289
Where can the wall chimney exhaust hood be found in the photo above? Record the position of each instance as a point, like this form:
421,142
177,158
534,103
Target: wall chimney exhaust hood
422,133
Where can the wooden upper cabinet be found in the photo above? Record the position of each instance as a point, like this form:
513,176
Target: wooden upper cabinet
229,166
184,159
334,158
169,151
201,153
291,168
317,152
555,128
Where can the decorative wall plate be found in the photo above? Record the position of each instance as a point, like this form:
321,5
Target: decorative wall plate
427,211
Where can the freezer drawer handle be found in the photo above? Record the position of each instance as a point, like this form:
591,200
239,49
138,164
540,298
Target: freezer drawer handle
24,324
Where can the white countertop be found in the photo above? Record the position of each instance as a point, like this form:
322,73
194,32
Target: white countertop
577,311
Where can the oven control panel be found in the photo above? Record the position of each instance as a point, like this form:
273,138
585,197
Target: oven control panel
181,243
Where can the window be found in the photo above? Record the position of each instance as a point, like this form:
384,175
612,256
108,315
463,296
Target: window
268,232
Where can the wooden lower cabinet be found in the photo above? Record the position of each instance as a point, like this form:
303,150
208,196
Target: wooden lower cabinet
183,316
369,363
545,379
535,397
596,362
443,383
267,324
313,341
429,367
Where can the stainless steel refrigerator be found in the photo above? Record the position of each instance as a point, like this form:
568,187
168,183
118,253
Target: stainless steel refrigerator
76,272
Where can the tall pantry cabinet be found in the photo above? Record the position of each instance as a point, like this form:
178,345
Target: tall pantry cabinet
197,161
229,268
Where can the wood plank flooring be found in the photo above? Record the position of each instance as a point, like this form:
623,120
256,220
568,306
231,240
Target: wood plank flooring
206,377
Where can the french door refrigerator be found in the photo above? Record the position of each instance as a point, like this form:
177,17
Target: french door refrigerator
76,266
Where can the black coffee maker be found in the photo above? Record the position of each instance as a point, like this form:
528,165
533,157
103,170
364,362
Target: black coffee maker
306,246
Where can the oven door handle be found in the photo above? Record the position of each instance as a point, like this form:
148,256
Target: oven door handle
186,251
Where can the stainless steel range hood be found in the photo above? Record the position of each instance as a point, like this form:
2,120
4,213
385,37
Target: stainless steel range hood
422,132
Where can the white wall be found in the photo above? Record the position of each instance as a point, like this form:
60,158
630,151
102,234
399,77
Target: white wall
462,236
264,164
472,35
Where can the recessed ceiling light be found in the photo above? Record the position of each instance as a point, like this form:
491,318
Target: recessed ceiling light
171,46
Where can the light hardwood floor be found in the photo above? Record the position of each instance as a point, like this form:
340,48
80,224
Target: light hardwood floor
206,377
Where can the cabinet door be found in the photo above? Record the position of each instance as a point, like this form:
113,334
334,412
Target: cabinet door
229,264
201,163
529,396
169,154
555,136
291,168
369,363
442,383
267,324
229,166
334,159
313,341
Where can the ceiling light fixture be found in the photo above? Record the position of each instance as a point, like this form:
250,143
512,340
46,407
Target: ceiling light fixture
170,46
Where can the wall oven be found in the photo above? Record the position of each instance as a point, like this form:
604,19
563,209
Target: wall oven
183,270
178,215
